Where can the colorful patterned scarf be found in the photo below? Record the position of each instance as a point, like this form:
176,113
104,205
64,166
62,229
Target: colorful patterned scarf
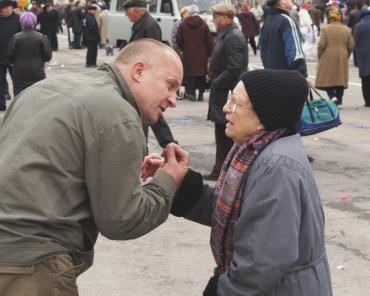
226,203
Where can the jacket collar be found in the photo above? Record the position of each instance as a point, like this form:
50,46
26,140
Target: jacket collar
138,24
278,11
121,83
223,32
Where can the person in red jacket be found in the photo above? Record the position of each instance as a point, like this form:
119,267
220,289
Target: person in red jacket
250,27
196,43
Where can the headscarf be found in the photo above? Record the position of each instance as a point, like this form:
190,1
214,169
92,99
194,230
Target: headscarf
335,15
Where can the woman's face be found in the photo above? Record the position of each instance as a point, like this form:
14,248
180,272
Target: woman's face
242,119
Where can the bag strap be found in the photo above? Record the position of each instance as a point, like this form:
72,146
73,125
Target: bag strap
315,90
309,108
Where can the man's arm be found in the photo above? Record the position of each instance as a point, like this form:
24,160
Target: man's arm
292,46
123,208
234,54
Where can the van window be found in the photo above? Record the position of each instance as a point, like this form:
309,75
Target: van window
119,6
166,7
204,5
153,6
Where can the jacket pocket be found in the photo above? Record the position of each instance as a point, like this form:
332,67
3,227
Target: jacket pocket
17,280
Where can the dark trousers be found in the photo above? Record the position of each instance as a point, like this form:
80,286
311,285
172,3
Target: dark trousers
336,91
92,53
162,132
252,42
223,146
53,38
365,81
4,87
192,83
77,40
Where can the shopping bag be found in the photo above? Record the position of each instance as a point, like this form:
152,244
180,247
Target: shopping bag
318,115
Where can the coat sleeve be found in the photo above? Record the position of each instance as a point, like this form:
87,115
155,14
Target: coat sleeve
46,49
350,44
123,208
180,38
210,41
266,234
321,46
234,55
12,49
292,39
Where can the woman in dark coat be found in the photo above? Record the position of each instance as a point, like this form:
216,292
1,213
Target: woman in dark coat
250,27
195,41
28,51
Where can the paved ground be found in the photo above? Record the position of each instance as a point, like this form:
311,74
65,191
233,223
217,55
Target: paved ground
176,260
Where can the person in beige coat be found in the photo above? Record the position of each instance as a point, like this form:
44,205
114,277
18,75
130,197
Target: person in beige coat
334,49
103,27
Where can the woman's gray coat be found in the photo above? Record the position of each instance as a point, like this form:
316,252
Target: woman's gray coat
279,242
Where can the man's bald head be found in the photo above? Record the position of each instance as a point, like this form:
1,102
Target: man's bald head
153,72
147,50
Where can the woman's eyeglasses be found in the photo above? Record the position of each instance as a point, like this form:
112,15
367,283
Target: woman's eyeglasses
232,101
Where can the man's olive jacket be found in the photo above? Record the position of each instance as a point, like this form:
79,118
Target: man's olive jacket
71,152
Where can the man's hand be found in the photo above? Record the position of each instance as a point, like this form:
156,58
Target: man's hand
150,165
176,164
309,83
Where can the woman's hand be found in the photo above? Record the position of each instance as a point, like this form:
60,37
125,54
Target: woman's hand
151,164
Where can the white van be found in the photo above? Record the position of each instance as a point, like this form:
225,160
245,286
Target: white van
165,12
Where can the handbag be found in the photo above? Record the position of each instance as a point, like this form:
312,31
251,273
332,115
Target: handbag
318,115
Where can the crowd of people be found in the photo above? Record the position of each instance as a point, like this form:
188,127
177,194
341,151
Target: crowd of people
83,136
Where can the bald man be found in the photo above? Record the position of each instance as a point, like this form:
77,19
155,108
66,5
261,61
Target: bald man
72,148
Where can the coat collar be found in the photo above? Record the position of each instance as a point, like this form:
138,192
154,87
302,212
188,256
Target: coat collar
223,32
121,83
139,23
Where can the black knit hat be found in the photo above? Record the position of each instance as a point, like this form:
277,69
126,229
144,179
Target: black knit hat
277,96
134,3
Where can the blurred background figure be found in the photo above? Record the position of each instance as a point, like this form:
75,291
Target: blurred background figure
67,15
333,51
306,26
258,13
103,26
49,20
196,43
28,51
92,36
362,41
35,8
175,28
9,25
250,26
77,16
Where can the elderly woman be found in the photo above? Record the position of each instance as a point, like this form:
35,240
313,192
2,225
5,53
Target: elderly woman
333,50
28,50
266,215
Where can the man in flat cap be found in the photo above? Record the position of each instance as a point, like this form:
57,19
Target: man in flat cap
92,36
228,61
9,26
145,26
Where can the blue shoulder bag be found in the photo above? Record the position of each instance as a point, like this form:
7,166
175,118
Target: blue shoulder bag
318,115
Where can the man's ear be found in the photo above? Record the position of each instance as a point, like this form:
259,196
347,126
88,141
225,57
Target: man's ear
137,71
